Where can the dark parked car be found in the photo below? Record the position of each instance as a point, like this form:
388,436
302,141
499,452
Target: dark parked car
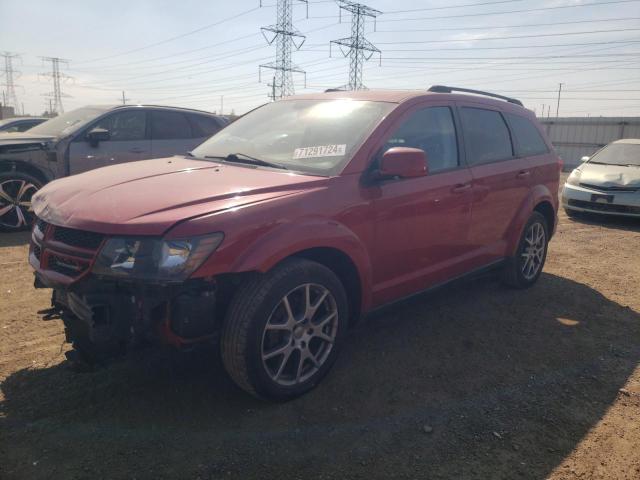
20,124
88,138
278,232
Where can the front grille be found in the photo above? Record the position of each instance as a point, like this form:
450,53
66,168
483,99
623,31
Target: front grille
612,188
66,266
77,238
63,250
605,207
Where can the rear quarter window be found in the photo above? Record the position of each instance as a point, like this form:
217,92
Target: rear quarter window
486,136
169,125
203,126
528,140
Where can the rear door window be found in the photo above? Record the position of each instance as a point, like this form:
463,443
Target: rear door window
203,126
432,130
486,136
166,125
528,140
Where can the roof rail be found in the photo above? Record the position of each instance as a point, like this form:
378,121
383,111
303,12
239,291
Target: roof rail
445,89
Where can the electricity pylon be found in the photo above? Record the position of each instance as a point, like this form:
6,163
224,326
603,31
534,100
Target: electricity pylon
357,47
286,37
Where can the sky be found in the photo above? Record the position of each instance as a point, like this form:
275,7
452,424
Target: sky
206,54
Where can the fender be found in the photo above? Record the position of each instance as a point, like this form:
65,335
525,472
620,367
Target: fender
538,194
12,165
285,240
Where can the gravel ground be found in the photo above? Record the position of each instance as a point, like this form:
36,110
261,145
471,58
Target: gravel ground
472,381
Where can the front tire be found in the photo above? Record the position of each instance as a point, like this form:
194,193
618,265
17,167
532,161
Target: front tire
524,268
284,329
16,192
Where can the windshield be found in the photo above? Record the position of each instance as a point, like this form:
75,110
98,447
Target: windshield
311,136
67,122
618,154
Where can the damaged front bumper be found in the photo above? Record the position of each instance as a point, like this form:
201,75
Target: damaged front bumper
105,317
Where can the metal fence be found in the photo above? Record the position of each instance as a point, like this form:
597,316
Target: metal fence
576,137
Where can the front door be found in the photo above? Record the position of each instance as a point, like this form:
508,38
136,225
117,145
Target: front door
421,224
128,142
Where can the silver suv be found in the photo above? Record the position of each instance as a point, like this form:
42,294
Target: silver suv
88,138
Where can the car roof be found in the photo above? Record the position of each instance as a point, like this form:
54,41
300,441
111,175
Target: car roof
633,141
161,107
165,107
401,96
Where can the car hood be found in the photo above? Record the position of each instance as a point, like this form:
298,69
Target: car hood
149,197
610,175
13,138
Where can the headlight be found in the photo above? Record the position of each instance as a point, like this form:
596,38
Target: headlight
574,178
154,258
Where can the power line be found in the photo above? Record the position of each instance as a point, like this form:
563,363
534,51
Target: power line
359,48
481,4
514,37
493,27
286,37
161,42
514,47
506,12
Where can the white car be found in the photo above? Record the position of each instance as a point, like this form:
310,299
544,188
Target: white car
606,183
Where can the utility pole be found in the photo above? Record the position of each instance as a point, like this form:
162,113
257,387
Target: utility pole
286,37
10,98
56,77
221,104
124,99
559,92
358,48
543,108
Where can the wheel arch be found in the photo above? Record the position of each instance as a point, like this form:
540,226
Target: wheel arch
8,166
344,268
325,241
539,200
545,208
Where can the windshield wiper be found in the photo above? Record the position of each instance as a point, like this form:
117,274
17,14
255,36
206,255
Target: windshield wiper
244,158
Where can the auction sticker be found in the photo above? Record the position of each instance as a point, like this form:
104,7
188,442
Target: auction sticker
320,151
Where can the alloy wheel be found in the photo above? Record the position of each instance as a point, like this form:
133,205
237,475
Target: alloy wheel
534,250
15,203
299,334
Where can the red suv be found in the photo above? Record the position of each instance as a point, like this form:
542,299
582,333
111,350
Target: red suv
277,233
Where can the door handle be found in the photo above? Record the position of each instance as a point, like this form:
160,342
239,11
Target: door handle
523,174
461,188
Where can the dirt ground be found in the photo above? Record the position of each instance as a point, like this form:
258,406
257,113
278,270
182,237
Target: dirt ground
474,381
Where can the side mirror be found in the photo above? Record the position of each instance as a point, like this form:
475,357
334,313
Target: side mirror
585,159
403,162
97,135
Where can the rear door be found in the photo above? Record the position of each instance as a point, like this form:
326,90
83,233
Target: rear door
171,133
421,224
501,180
128,142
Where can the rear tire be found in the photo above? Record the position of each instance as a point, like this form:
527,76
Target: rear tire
284,329
16,191
524,268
